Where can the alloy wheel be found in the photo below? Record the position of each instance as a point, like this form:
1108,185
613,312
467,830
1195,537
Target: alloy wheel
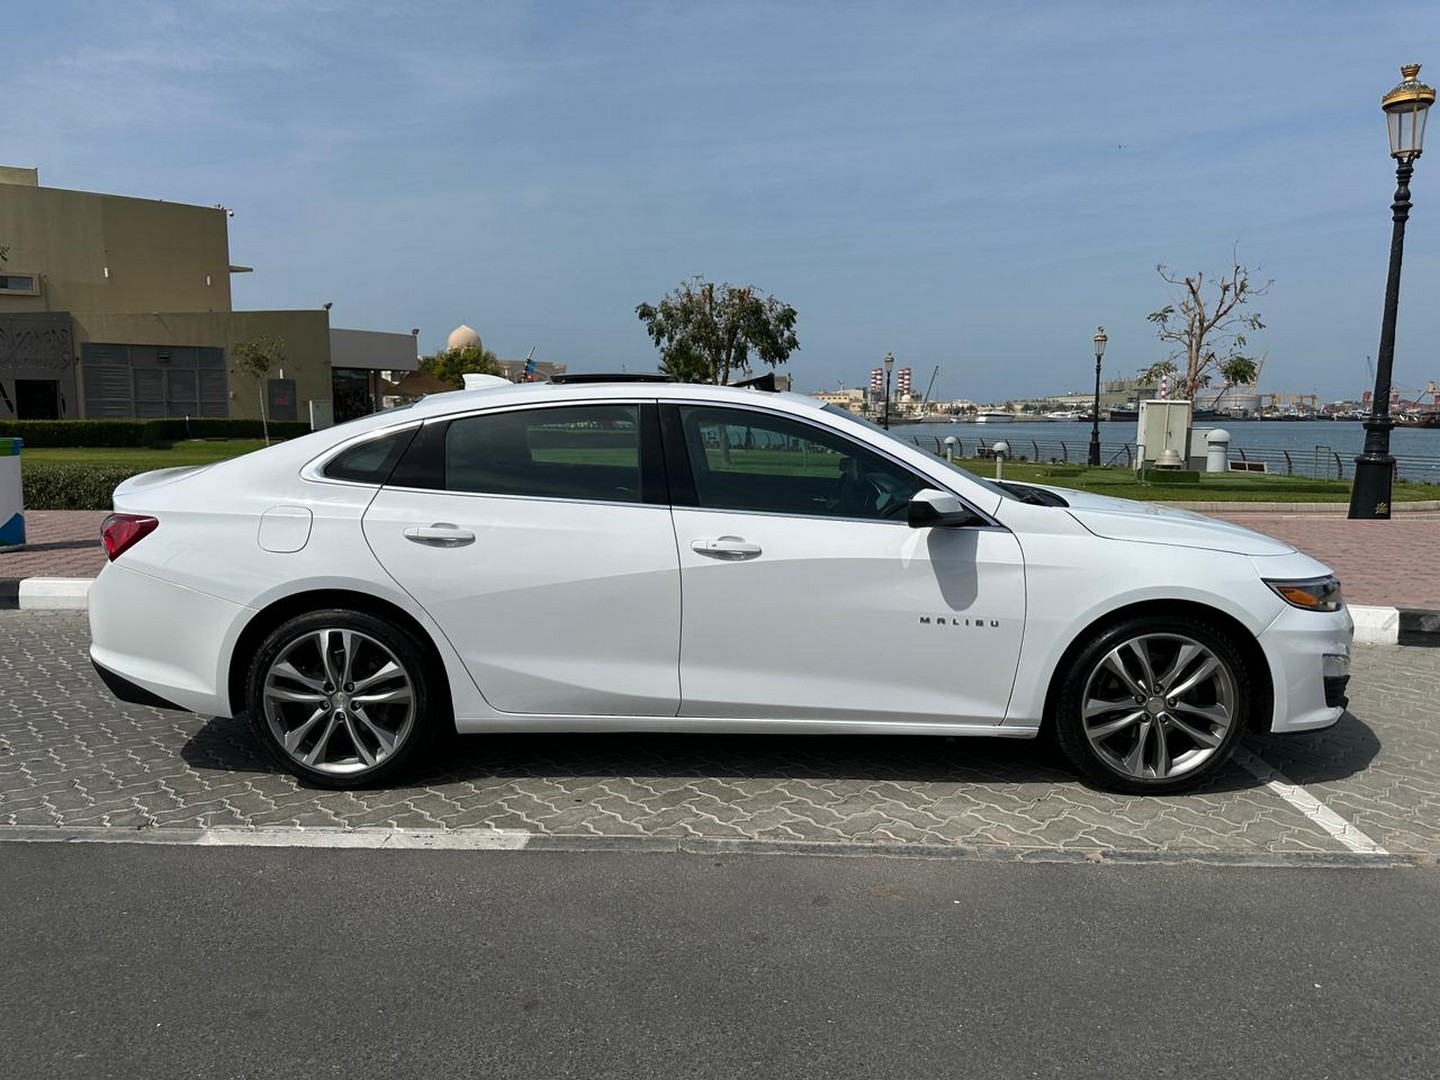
338,701
1157,706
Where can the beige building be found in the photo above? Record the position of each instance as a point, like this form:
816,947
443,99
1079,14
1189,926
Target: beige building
113,306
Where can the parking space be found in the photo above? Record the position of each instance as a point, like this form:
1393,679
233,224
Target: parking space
71,756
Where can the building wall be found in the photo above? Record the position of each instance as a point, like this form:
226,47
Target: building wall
373,350
111,253
305,334
36,348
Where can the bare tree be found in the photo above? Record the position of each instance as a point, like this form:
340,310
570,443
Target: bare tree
256,358
1206,328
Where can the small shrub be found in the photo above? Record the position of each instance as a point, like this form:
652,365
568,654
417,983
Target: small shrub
108,433
72,487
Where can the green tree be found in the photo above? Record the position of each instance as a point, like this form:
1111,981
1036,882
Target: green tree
255,359
453,364
705,332
1206,329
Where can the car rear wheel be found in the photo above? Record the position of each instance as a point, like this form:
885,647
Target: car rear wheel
341,699
1154,705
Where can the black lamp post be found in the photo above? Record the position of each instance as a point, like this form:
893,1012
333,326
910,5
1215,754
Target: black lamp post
1405,109
1100,340
889,363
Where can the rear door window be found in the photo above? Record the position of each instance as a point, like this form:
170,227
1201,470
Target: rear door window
589,452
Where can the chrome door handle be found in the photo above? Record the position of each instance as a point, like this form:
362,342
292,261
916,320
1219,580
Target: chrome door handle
441,534
734,548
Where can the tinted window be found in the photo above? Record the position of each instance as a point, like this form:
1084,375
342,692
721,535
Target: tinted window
745,460
370,462
570,452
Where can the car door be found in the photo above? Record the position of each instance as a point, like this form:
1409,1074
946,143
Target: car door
807,595
544,549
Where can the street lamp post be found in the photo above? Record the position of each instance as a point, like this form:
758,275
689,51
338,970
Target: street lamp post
1405,108
1099,340
889,363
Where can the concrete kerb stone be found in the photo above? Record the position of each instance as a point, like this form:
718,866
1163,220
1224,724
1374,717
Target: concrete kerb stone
1373,625
44,593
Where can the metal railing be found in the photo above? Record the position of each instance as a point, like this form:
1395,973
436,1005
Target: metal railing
1318,462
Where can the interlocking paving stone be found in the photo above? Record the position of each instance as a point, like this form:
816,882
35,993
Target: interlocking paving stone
70,755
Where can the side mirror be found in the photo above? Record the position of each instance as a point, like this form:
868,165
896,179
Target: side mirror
932,508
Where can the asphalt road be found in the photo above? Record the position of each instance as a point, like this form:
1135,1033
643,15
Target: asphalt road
133,961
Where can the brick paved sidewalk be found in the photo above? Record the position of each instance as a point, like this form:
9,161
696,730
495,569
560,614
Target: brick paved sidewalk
58,543
1383,563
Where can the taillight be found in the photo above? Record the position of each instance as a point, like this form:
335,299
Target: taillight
121,532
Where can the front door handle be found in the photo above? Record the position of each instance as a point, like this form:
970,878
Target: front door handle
733,548
441,534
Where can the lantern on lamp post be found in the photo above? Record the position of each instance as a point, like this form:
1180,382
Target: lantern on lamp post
1405,110
889,365
1099,341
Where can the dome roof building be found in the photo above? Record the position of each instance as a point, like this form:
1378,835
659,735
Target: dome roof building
462,336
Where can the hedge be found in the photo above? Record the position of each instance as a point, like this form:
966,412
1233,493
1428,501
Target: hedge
38,433
72,487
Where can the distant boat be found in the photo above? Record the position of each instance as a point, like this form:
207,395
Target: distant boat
1418,420
1065,415
994,416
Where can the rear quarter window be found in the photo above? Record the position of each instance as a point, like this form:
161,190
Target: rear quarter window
370,462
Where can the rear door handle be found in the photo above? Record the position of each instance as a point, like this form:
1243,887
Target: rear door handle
733,548
441,534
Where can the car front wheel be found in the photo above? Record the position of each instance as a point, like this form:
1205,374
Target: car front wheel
1154,705
341,699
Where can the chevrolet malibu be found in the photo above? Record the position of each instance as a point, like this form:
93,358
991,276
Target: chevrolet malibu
637,555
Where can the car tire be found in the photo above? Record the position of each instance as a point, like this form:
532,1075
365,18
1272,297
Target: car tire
342,699
1154,705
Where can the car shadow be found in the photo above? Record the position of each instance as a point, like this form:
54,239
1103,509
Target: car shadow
1320,756
227,746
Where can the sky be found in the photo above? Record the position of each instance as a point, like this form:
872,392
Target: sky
971,186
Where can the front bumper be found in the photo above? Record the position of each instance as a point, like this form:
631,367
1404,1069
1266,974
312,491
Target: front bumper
1309,690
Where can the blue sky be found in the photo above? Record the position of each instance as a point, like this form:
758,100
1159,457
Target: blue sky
973,186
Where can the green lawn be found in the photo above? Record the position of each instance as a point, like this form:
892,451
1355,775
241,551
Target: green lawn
192,452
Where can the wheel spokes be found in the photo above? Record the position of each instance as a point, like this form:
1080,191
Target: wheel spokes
338,701
1105,730
1179,709
1202,673
1114,664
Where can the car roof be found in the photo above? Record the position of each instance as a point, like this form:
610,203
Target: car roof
457,401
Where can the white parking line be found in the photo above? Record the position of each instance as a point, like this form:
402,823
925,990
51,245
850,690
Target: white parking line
1308,805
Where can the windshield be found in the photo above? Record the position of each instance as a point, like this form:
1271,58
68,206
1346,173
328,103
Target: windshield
988,485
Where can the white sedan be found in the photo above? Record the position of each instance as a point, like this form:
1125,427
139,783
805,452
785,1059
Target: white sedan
638,555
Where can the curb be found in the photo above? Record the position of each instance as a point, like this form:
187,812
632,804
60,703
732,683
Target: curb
1373,625
44,593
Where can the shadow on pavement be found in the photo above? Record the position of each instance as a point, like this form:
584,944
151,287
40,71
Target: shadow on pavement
226,745
1314,758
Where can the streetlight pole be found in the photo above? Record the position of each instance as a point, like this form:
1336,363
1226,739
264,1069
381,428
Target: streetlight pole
889,363
1099,340
1405,109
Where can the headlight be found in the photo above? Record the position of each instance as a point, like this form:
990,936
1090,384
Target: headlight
1312,594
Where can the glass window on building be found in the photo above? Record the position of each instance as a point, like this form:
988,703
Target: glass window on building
350,392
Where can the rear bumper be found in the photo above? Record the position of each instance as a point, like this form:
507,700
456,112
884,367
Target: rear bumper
162,641
126,690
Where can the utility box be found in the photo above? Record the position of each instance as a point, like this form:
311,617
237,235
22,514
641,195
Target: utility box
1199,448
1162,433
12,496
